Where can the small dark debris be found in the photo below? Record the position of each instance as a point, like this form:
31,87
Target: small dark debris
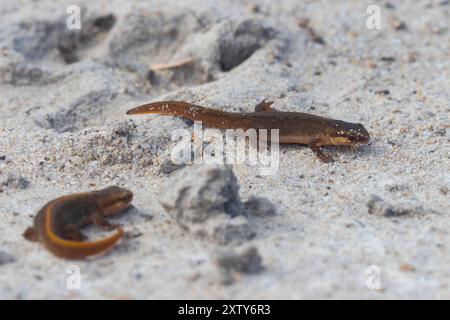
2,158
124,128
6,258
152,77
138,276
134,234
317,39
399,25
393,142
395,187
254,8
68,54
304,24
389,5
412,57
387,59
146,217
105,23
38,277
167,167
384,92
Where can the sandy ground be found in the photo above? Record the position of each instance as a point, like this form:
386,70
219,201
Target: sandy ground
319,228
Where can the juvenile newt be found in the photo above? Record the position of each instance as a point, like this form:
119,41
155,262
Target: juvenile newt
57,225
294,127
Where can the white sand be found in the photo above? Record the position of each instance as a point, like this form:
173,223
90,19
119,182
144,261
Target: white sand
63,129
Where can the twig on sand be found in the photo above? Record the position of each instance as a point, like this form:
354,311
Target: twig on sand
171,65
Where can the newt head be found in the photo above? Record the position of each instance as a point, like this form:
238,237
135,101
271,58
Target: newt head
114,199
346,133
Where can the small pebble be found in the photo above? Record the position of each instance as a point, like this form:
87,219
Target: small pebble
406,267
6,258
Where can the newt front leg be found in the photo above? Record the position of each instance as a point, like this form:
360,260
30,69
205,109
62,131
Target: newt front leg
315,147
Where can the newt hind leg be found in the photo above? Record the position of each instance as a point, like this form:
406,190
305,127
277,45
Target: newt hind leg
265,106
100,222
315,147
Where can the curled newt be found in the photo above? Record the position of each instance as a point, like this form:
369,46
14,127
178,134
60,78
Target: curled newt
294,127
57,225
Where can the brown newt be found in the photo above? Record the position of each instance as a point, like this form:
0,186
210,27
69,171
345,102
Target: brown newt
57,225
294,127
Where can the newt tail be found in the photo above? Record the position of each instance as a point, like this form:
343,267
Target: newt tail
210,117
